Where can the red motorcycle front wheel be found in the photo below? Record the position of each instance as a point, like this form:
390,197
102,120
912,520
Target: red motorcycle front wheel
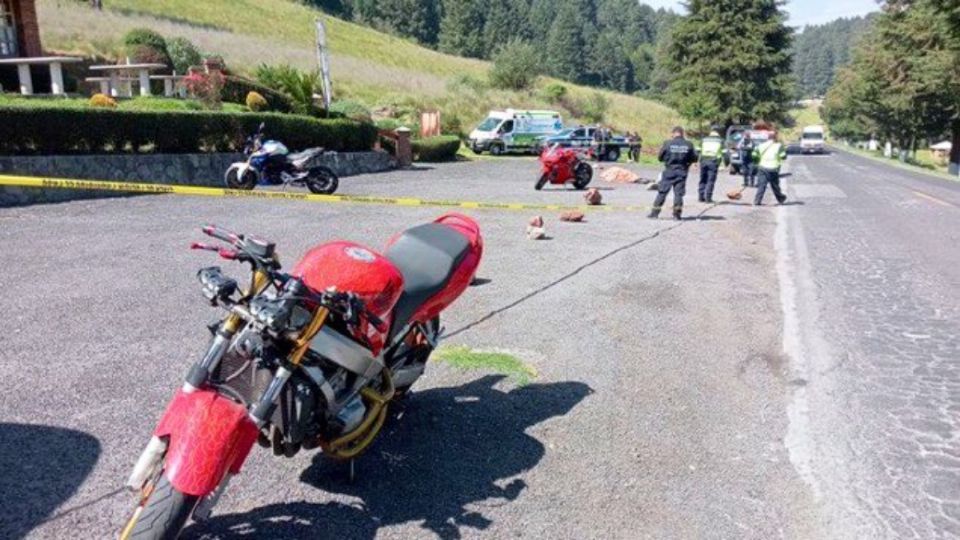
162,515
542,181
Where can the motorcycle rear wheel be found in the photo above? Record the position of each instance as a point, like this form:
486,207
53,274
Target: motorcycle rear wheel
542,181
162,516
234,181
582,175
322,180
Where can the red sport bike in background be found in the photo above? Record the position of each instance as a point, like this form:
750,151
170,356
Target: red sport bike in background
306,359
563,165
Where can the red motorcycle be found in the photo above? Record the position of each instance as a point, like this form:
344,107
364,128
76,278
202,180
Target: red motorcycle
301,360
563,165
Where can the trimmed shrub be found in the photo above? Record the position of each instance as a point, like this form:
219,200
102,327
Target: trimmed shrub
255,102
439,148
235,90
102,101
183,54
56,130
516,66
143,44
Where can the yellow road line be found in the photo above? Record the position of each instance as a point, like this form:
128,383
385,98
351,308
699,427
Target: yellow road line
198,191
933,199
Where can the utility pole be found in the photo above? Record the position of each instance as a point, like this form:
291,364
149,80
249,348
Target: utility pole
323,60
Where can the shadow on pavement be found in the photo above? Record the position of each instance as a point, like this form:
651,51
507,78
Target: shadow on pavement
40,468
449,448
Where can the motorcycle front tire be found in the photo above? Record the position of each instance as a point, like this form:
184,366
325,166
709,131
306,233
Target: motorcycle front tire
542,181
322,181
234,181
162,516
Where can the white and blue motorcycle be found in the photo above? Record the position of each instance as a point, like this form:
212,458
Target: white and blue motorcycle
271,163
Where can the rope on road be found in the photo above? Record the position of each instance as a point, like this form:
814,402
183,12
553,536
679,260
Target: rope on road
198,191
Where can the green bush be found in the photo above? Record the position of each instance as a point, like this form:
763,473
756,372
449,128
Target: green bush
554,92
299,86
440,148
145,45
54,130
236,89
594,108
183,54
516,65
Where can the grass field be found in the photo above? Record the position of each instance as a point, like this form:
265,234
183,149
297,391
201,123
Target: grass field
803,117
368,66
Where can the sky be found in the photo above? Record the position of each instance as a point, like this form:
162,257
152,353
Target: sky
803,12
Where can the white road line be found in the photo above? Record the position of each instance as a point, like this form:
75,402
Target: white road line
797,440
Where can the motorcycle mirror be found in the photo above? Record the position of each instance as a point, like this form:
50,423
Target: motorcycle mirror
262,126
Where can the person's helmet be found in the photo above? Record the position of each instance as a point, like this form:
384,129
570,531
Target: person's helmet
713,133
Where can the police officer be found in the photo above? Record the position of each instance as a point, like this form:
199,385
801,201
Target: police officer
711,152
745,148
769,157
676,155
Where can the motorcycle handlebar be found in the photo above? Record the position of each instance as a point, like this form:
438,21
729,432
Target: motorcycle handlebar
221,234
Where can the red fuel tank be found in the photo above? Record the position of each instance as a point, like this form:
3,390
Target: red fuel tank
350,267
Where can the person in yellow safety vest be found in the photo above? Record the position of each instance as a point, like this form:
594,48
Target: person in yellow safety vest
769,156
711,152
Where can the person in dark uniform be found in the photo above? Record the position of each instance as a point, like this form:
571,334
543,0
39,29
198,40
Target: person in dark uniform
677,155
746,147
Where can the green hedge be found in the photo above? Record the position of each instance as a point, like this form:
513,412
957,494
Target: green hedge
440,148
94,131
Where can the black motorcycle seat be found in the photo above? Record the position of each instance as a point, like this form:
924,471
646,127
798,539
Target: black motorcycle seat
301,158
427,256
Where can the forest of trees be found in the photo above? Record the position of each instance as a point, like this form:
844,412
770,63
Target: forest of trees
609,43
903,83
819,50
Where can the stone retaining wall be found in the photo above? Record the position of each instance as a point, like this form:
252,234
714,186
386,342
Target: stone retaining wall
188,169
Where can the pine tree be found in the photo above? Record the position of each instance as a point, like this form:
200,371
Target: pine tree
461,28
502,20
565,45
728,61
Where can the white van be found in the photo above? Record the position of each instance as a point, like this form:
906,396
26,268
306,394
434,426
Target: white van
812,140
513,130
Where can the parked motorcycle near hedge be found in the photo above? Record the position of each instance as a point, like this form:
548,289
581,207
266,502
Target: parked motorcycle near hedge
560,166
302,360
270,162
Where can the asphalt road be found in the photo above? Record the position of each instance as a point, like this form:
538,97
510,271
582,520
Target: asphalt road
671,366
870,265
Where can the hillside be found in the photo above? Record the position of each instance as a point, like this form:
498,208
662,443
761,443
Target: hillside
373,68
819,50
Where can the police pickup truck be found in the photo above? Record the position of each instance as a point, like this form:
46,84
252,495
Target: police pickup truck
584,137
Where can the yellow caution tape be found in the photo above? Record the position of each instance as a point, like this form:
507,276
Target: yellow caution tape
197,191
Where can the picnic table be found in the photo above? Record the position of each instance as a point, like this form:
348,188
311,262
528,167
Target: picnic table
115,72
56,71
